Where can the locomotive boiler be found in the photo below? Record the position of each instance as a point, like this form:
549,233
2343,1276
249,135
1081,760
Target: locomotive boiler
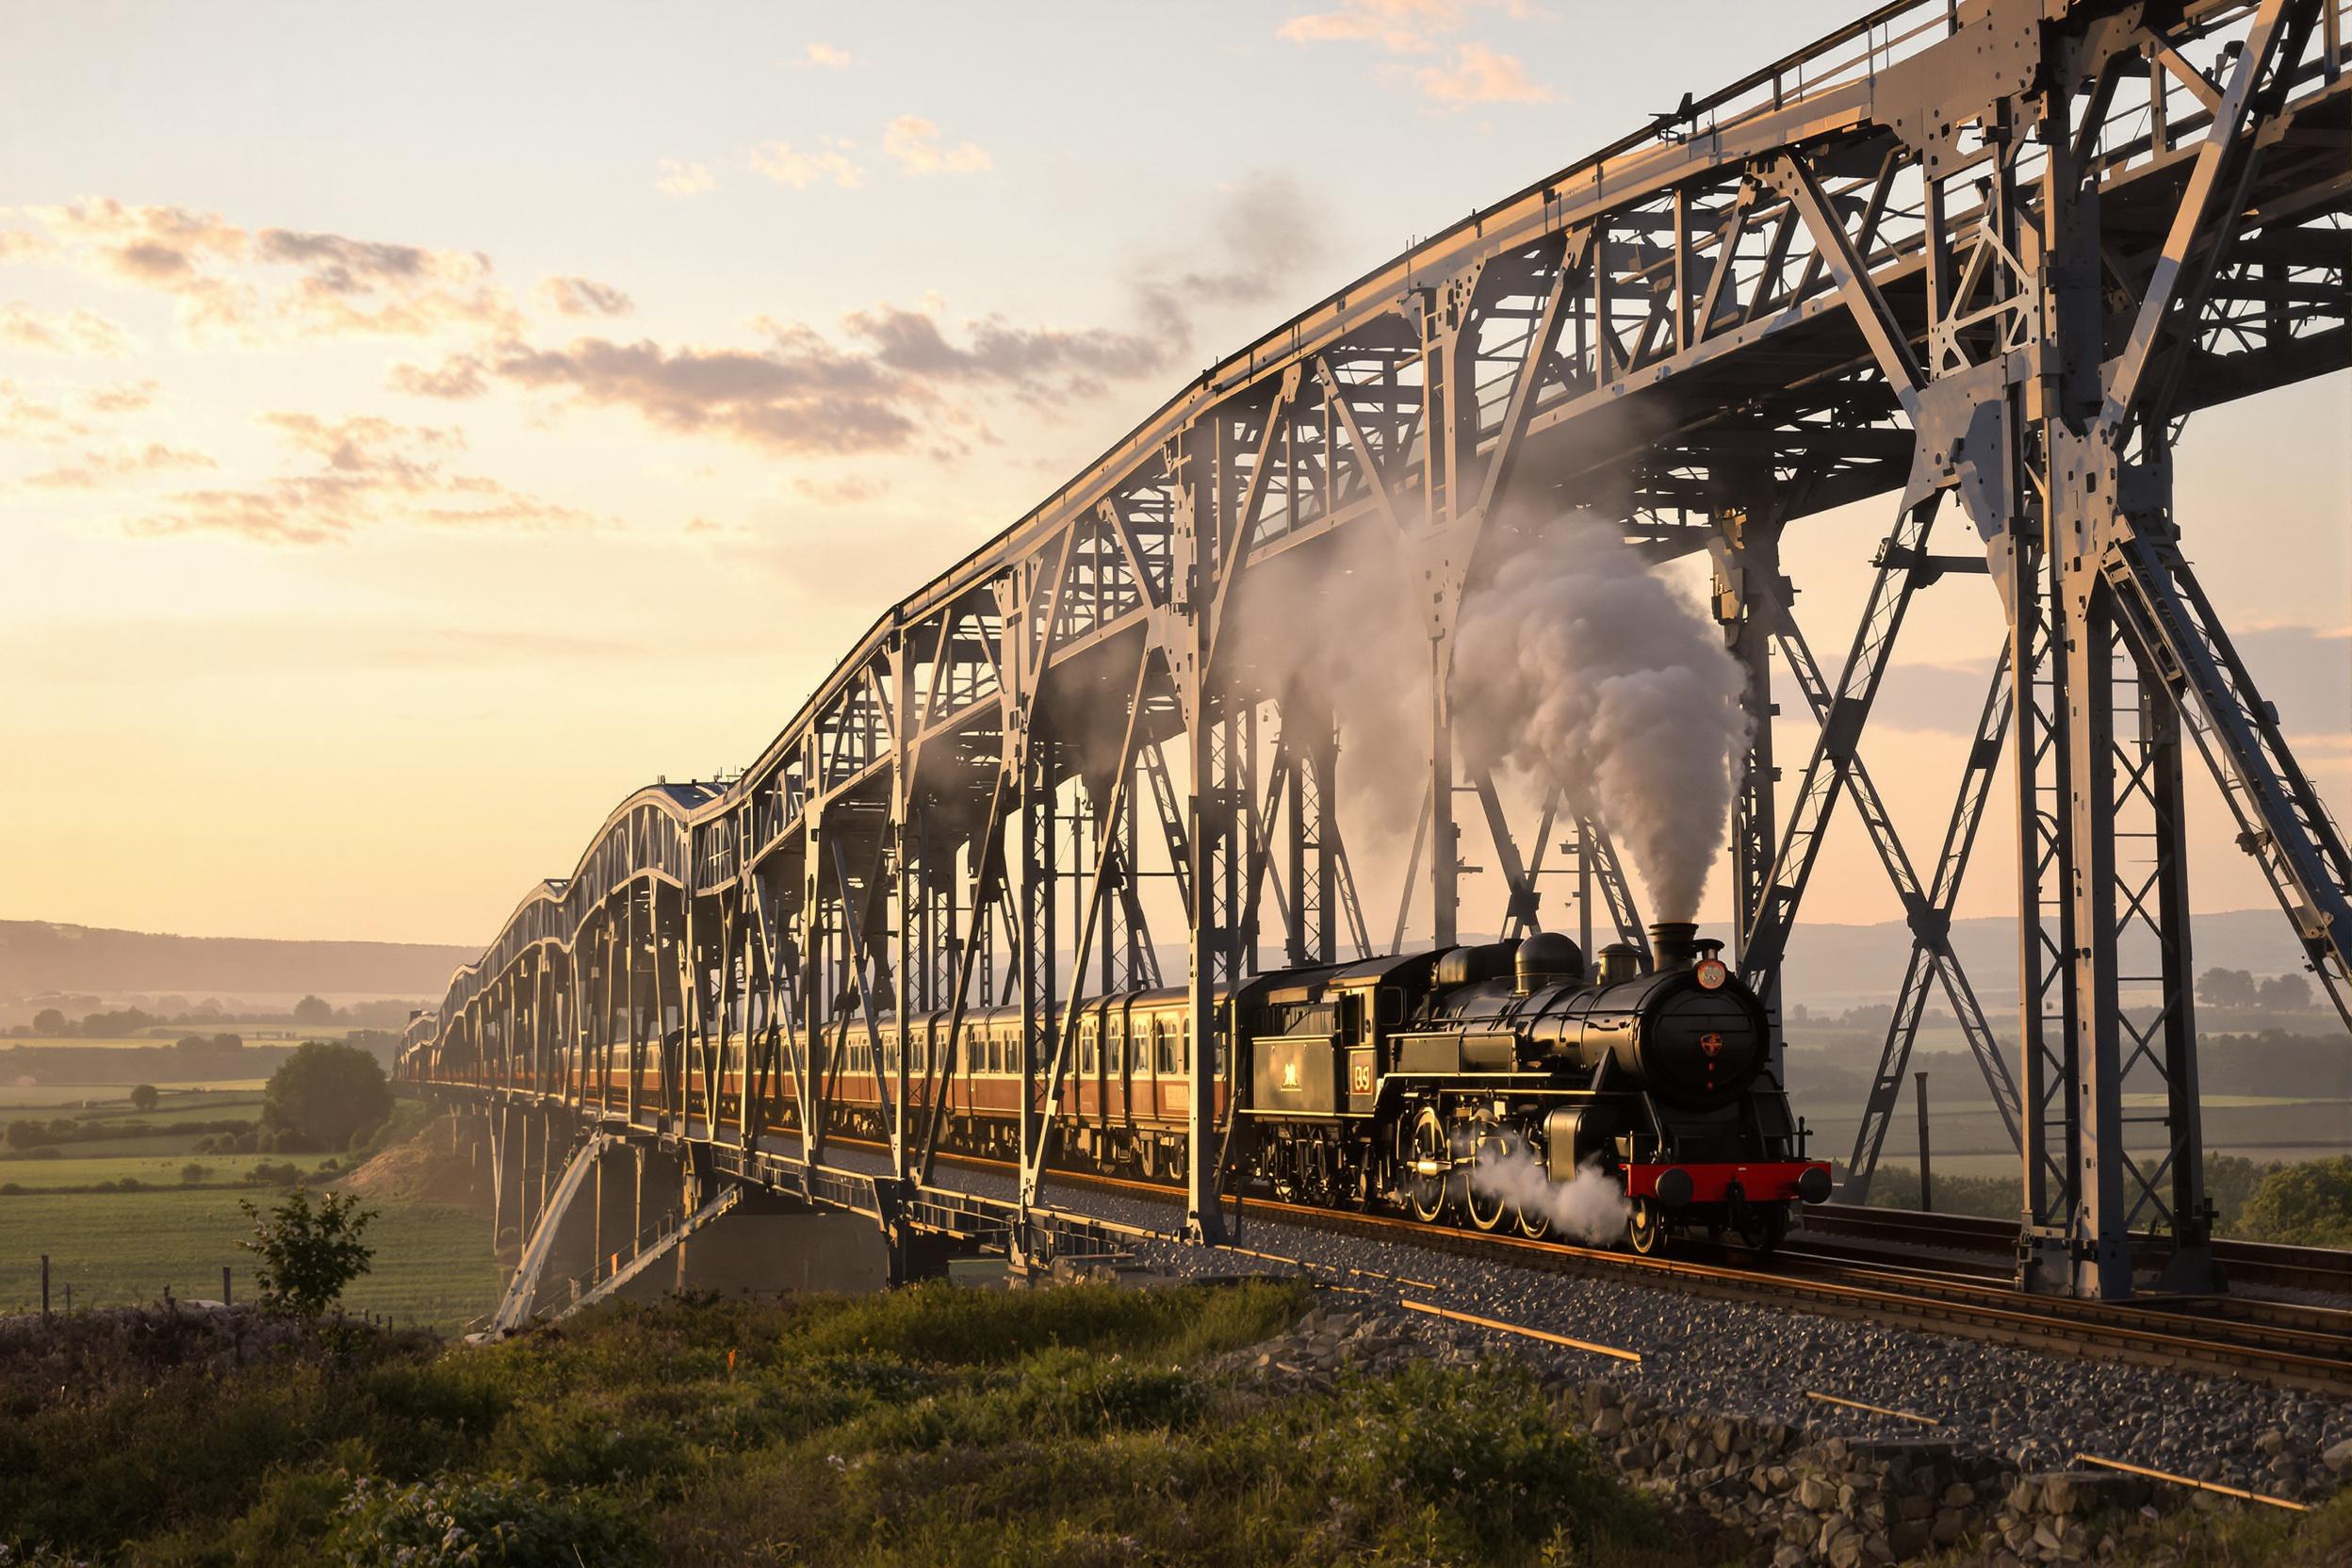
1472,1084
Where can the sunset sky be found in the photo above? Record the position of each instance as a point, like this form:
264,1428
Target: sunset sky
420,425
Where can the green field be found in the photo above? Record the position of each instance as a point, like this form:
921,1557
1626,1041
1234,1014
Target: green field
180,1107
432,1266
154,1170
111,1102
50,1097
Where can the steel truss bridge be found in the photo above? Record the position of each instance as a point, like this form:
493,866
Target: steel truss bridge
1985,260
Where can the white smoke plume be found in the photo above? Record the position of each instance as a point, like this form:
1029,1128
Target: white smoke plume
1588,1207
1575,661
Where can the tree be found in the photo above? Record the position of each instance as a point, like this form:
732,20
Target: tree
2307,1204
228,1042
194,1045
48,1021
2227,988
192,1172
325,1092
305,1256
313,1009
2285,993
143,1098
24,1132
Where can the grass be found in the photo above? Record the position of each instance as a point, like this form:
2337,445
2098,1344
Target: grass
1061,1428
434,1266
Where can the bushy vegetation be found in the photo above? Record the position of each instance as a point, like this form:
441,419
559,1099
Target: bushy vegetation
327,1095
932,1426
2308,1204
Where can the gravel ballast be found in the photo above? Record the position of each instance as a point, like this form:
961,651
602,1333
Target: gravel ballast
2035,1410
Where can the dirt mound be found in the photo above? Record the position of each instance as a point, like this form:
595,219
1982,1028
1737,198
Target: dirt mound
419,1171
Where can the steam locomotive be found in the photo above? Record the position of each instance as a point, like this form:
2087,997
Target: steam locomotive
1425,1080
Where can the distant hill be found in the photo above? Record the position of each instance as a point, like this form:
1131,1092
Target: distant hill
1834,967
39,956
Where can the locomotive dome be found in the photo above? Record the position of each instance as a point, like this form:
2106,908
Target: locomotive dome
1546,959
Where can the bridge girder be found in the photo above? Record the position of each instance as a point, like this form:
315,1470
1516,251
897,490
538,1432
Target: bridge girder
1986,258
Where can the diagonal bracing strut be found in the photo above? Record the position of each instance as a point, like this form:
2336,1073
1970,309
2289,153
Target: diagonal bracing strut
1927,963
1837,764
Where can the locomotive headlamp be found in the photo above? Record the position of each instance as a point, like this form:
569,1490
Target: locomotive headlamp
1710,974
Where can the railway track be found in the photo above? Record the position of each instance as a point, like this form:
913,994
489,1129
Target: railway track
2282,1344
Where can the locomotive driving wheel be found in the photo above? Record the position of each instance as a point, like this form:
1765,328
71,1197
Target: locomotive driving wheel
1423,1180
1487,1210
1646,1228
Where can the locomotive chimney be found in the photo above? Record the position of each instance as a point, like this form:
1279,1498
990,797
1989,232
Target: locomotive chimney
1674,945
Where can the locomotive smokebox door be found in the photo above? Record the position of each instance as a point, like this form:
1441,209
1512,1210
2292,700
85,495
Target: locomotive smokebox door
1299,1075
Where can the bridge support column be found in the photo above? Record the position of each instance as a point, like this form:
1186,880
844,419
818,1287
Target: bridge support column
572,1249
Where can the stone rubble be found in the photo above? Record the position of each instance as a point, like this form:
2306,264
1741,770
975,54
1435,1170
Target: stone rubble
1801,1491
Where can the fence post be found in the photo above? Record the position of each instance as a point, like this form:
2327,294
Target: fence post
44,1288
224,1286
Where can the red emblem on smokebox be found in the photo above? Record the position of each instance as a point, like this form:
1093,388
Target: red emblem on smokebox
1711,1044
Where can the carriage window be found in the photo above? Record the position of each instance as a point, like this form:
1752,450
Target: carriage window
1119,1050
1086,1056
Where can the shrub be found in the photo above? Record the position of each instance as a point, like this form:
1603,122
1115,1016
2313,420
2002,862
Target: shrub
192,1172
305,1256
487,1522
272,1173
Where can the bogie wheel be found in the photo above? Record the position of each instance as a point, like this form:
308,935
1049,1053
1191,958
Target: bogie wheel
1646,1228
1534,1224
1766,1228
1423,1181
1487,1209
